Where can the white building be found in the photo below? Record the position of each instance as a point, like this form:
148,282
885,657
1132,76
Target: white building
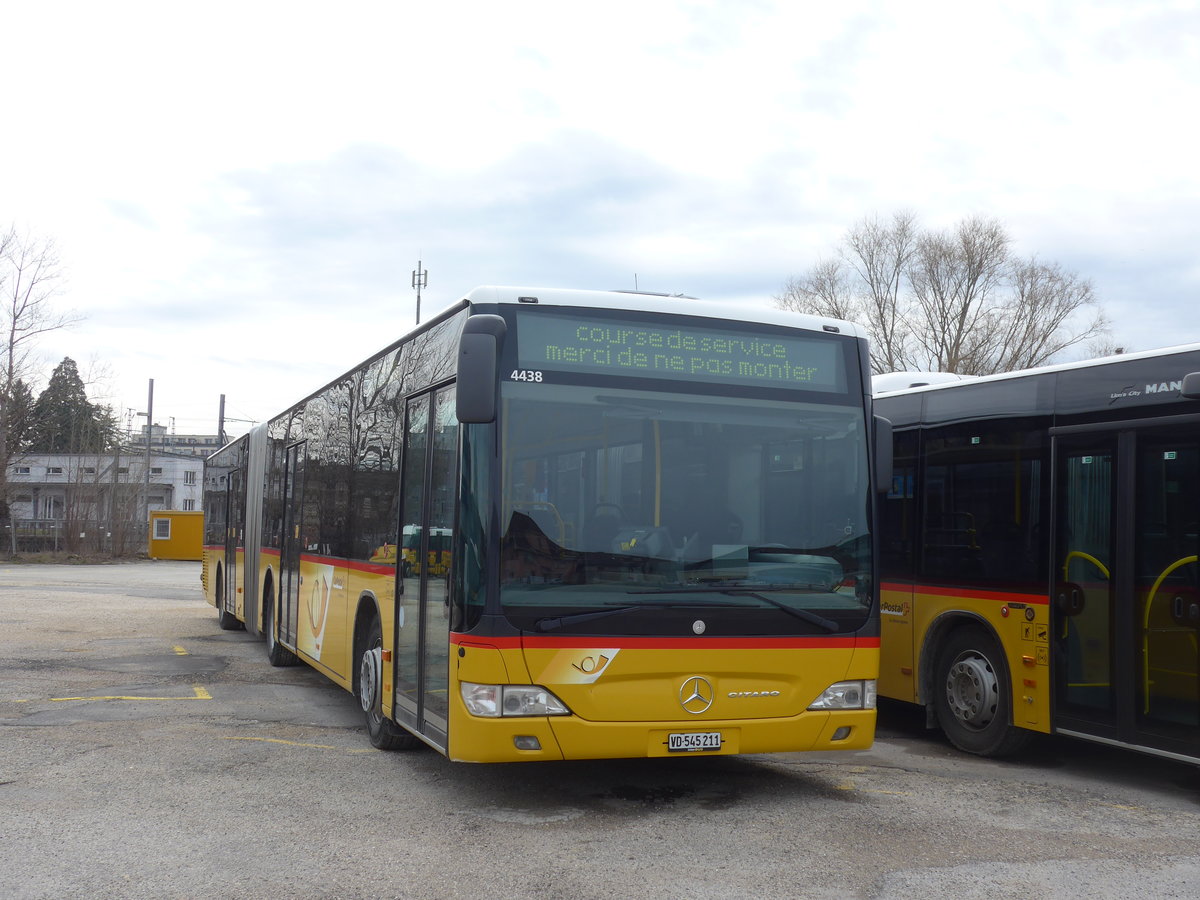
161,440
101,487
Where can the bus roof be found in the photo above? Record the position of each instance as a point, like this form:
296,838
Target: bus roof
622,300
885,384
663,303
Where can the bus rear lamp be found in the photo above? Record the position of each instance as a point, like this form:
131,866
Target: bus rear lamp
496,700
847,695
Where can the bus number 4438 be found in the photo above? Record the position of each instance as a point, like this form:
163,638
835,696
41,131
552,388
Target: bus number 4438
525,375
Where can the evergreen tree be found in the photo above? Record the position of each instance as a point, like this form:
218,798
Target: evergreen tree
63,420
17,411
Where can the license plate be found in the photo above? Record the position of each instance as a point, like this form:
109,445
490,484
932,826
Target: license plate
687,742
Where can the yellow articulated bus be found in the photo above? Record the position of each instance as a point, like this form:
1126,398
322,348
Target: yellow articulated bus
1040,545
558,524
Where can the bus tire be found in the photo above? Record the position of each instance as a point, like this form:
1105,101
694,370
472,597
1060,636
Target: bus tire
226,621
972,695
277,654
382,732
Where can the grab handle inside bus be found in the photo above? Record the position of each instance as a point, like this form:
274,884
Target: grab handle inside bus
883,454
478,375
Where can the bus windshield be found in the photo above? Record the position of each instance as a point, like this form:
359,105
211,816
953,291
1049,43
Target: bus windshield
636,511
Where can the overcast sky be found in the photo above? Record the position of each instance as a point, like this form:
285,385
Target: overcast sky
239,192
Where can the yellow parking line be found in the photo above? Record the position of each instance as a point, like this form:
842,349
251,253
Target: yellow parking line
179,651
199,694
281,741
851,786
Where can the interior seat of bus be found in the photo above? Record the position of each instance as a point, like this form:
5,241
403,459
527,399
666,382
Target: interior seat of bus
601,529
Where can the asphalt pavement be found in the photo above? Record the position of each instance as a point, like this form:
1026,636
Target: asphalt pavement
145,753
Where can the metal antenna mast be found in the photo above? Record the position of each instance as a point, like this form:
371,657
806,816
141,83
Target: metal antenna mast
420,279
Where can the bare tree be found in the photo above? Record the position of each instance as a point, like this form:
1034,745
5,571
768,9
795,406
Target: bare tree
951,301
864,284
29,277
954,278
1035,323
880,254
823,291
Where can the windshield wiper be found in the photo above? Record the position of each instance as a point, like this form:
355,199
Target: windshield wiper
758,593
725,587
553,623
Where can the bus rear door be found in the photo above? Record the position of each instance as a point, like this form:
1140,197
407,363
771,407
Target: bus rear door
291,544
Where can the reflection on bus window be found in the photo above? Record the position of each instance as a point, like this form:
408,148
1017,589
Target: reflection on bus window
612,492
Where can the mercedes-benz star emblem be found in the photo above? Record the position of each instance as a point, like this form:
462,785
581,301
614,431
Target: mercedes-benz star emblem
696,695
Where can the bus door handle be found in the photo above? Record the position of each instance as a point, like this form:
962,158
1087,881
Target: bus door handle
1069,598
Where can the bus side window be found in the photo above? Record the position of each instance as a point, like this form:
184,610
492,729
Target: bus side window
900,510
983,515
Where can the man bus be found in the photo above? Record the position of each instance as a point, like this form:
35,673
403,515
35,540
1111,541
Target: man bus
1040,553
555,524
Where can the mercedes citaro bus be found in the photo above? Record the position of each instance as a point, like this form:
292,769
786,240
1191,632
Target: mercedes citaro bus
556,524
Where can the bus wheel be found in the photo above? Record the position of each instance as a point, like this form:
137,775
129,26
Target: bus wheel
227,621
972,695
383,733
277,654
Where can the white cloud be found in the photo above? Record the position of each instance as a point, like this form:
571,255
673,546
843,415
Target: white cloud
240,191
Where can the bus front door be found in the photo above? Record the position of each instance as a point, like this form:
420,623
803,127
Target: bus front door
428,499
1127,591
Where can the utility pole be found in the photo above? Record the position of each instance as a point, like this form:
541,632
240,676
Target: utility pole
420,279
113,510
149,414
221,439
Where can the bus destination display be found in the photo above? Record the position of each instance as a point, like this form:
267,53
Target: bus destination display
567,343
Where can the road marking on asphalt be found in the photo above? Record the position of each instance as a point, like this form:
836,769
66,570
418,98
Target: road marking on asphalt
851,786
179,651
199,694
282,741
263,740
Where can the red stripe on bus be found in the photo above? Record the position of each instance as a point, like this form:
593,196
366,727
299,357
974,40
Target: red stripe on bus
664,643
335,561
972,593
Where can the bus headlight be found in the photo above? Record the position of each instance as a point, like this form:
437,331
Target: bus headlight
494,700
847,695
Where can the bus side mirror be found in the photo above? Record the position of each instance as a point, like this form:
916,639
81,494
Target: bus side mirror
883,454
1191,386
478,372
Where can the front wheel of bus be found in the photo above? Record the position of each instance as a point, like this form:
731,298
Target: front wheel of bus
383,733
972,695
